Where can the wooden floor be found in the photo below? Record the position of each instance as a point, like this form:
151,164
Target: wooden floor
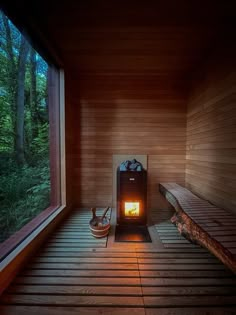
77,274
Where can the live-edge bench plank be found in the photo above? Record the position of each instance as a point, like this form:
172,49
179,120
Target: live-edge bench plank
202,222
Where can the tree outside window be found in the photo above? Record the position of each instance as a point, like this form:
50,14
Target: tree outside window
24,131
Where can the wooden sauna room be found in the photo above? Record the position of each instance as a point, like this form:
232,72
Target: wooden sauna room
123,116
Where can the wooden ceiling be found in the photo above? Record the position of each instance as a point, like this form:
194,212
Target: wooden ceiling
137,38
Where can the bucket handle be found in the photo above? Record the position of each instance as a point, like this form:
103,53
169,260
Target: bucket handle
104,212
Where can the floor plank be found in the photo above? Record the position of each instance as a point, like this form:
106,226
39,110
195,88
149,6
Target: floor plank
76,290
191,311
171,301
57,310
70,300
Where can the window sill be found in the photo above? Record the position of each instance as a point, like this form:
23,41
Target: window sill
19,240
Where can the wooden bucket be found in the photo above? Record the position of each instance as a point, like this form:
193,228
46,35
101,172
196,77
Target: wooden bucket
99,225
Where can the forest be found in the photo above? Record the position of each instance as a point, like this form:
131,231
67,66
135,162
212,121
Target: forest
24,131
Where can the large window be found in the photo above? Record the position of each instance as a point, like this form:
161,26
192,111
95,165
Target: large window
29,132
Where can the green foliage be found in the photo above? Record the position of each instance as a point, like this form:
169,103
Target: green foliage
38,149
24,193
25,189
40,143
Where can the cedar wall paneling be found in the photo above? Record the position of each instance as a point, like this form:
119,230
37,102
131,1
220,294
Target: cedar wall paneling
211,134
120,115
71,123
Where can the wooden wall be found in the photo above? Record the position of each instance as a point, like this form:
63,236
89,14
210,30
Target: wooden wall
127,115
211,132
71,124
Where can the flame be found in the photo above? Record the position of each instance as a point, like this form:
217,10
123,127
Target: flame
131,209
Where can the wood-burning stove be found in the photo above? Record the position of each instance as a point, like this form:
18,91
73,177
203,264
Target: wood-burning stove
131,197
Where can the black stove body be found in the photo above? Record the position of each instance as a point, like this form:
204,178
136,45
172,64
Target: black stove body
131,197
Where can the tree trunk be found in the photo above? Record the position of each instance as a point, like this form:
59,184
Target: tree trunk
33,93
11,74
20,101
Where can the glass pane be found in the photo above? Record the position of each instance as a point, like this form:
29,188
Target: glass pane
24,131
131,209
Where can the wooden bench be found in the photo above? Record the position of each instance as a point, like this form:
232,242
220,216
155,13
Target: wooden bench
203,223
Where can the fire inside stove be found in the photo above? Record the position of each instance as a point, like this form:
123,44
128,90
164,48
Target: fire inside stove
132,209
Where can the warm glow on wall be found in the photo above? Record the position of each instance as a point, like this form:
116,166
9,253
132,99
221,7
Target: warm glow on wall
131,209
